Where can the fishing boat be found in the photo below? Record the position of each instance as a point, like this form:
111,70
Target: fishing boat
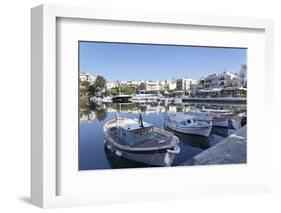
189,124
220,118
141,142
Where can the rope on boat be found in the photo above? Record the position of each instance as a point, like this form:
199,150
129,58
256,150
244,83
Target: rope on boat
154,155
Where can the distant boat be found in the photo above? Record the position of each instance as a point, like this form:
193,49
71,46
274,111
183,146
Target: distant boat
141,142
220,118
107,100
189,124
147,98
177,100
121,98
173,100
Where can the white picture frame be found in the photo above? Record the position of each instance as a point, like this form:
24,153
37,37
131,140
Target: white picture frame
44,154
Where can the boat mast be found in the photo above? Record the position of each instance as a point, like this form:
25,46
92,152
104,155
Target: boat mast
119,88
140,121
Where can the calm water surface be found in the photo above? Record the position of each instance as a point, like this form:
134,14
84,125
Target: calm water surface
93,153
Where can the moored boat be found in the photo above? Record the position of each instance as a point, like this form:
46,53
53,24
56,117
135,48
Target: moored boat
107,100
121,98
219,118
189,124
141,142
146,98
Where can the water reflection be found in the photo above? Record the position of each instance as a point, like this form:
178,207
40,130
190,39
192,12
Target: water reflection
221,131
94,153
193,140
117,162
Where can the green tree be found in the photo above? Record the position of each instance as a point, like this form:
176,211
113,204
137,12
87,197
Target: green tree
100,82
114,91
92,89
128,90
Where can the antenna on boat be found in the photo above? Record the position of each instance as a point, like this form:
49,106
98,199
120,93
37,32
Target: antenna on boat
140,121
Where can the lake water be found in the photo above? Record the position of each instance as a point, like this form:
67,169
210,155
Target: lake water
93,152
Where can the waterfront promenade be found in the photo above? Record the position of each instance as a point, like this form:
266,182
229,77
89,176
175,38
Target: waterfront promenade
240,100
231,150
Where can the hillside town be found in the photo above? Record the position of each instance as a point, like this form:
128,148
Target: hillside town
221,84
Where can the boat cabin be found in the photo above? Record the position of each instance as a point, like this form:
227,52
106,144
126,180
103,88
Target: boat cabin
131,132
182,119
187,122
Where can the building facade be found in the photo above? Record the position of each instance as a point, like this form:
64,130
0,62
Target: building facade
87,77
110,85
184,84
243,75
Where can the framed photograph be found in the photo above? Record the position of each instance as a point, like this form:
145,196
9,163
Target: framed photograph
130,106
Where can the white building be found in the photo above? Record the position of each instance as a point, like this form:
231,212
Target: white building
227,79
87,77
152,85
193,86
171,84
110,85
184,84
243,75
219,80
134,82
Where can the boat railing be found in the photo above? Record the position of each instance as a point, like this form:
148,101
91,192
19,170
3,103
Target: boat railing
114,135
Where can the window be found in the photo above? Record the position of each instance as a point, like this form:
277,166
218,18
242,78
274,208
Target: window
188,121
183,123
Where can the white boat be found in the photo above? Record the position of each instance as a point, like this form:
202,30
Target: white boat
220,118
173,100
146,98
189,124
177,100
141,142
107,100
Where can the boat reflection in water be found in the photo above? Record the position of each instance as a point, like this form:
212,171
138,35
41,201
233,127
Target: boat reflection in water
122,161
193,140
221,131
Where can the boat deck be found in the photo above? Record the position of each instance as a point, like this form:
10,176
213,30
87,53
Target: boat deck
161,139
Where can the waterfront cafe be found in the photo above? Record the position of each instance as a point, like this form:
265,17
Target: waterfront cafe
215,92
222,92
233,92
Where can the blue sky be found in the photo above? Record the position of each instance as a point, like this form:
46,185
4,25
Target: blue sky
116,61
